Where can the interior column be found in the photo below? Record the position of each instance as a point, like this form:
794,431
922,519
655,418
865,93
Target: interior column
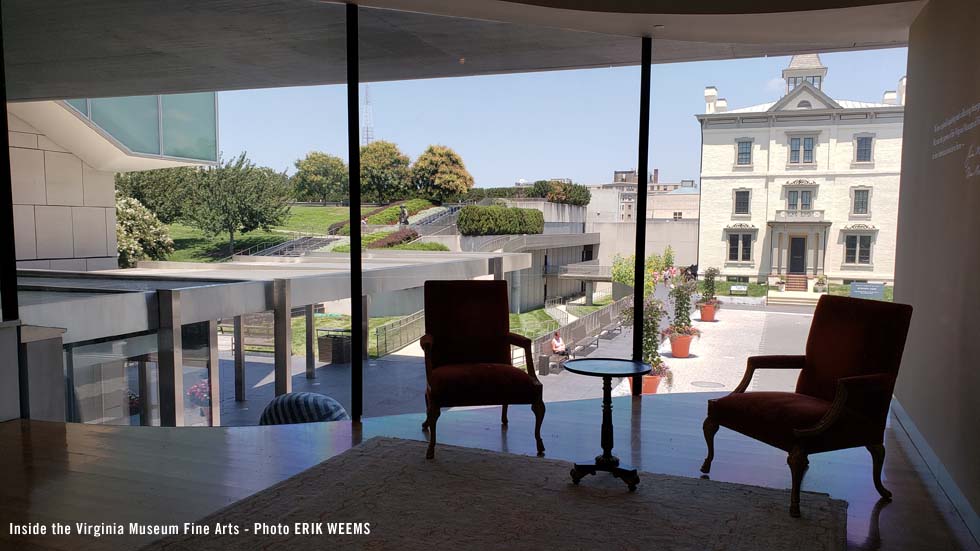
282,336
170,359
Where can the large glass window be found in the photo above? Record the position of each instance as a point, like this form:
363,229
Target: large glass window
733,240
188,125
794,150
807,150
744,153
861,197
742,201
863,154
792,199
857,249
114,382
133,120
746,247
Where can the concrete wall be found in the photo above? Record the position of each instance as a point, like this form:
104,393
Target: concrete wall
620,238
664,205
530,287
938,257
553,212
64,210
604,206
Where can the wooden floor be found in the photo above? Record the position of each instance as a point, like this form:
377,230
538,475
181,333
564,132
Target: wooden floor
52,472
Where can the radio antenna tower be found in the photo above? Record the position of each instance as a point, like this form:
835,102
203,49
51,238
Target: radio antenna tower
367,134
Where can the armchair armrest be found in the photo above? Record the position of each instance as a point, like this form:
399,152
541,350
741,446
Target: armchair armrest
767,362
525,343
866,395
426,342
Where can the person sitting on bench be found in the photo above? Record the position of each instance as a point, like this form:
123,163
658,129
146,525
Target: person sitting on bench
558,345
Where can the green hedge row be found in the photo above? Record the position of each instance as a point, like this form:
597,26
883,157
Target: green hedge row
495,220
554,191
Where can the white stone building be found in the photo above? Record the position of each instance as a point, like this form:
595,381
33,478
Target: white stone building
803,186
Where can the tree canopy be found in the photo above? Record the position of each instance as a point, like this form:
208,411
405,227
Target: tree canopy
321,177
440,175
162,191
237,197
385,173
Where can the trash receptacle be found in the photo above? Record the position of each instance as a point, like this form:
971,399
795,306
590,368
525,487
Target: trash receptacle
334,346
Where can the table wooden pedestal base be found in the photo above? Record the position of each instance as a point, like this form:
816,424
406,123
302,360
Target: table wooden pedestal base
609,465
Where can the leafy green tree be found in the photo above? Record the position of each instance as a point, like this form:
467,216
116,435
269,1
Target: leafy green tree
139,233
439,174
236,197
321,177
385,173
162,191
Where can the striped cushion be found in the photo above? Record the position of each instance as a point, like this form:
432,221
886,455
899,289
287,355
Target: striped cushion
302,407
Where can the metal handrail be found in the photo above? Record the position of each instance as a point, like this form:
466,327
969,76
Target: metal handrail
399,333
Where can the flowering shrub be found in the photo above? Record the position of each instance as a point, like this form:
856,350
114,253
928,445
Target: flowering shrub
708,289
680,296
653,312
139,233
200,394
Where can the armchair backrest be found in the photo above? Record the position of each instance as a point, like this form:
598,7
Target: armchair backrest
851,337
468,320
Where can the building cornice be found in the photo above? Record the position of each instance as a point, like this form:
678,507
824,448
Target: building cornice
805,115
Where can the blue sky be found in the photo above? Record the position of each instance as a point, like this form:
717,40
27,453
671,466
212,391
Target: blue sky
569,124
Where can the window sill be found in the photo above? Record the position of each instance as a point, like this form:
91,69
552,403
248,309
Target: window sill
790,166
853,216
858,266
742,216
742,167
740,263
862,164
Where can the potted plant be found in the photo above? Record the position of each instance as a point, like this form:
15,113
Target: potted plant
709,301
820,285
681,332
653,312
781,284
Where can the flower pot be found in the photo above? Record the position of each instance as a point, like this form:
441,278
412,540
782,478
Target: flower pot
650,384
781,287
707,312
680,346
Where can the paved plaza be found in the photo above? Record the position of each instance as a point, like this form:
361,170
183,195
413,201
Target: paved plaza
395,384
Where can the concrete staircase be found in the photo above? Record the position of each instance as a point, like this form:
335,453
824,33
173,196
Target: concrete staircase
796,282
792,298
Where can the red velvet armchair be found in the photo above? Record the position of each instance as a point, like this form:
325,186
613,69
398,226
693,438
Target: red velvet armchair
842,395
467,354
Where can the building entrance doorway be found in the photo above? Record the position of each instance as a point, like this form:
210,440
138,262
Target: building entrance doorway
797,255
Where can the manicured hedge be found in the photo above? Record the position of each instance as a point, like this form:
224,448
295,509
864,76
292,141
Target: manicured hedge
495,220
394,238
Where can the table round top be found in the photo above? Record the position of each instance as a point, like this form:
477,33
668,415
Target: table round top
607,367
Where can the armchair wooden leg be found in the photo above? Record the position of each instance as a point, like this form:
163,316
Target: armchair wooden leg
878,461
797,462
503,415
538,409
431,418
710,429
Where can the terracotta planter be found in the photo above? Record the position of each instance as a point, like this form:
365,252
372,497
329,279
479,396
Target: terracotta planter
680,346
650,384
707,312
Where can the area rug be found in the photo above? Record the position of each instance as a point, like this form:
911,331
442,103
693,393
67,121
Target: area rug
474,499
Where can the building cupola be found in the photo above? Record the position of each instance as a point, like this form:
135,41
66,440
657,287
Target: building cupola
804,68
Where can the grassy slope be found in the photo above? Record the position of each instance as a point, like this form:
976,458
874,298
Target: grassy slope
533,323
191,245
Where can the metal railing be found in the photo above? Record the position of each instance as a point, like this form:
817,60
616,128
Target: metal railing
399,333
585,328
588,268
552,307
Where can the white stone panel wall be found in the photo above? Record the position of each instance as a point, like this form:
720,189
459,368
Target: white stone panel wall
64,210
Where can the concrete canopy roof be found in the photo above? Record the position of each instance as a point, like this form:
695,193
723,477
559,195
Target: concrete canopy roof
101,48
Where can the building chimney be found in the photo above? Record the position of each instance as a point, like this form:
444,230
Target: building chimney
656,175
901,90
721,105
890,98
710,97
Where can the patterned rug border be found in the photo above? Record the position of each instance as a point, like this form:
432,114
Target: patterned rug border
649,478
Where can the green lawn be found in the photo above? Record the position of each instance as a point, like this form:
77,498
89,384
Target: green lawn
336,322
532,324
579,310
845,290
721,288
191,245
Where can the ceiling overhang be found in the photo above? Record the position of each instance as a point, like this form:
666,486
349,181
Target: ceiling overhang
105,48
